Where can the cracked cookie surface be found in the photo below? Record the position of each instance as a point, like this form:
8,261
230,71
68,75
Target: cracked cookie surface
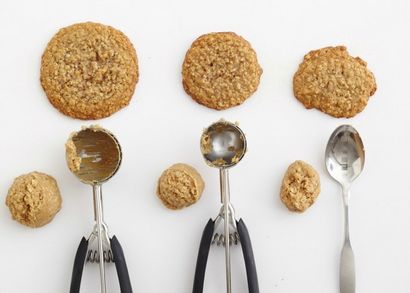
89,70
332,81
220,70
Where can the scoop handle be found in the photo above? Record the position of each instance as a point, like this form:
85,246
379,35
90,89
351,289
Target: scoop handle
202,259
251,274
78,266
121,266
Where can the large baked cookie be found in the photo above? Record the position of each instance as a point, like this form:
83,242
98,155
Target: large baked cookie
220,70
332,81
89,70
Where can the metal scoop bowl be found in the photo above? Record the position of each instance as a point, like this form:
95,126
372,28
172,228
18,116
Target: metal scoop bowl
223,144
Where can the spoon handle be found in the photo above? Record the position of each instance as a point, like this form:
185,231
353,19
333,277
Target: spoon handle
347,263
347,270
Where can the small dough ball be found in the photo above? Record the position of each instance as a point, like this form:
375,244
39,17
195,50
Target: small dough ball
34,199
300,186
180,186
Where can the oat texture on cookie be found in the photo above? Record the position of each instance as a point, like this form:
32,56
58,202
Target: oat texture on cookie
220,70
89,70
332,81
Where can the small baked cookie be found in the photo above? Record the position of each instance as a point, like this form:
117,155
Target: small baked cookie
89,70
300,186
332,81
220,70
34,199
180,186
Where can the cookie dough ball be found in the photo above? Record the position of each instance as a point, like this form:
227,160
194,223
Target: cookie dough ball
220,70
89,70
34,199
300,186
332,81
180,186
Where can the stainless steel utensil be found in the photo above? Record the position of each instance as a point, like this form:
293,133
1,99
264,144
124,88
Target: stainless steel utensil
345,161
223,145
98,156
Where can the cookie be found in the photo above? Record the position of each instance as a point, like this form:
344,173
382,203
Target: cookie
220,70
332,81
34,199
300,186
89,70
180,186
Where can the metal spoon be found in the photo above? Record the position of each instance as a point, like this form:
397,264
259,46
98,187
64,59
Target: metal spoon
99,156
344,162
223,145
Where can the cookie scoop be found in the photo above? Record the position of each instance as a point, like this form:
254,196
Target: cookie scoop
94,156
223,145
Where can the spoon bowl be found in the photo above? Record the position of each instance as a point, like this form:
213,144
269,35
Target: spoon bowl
345,155
223,144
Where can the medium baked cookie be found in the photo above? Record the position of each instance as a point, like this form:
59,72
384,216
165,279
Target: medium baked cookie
34,199
89,70
220,70
332,81
180,186
300,186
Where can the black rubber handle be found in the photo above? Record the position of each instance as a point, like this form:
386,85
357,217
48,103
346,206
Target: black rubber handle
121,266
247,251
203,257
78,266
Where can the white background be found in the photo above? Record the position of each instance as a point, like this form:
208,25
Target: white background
162,125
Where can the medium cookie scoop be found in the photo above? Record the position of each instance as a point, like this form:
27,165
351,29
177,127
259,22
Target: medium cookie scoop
34,199
332,81
180,186
300,186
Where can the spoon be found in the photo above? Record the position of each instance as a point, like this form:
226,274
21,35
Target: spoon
345,161
98,156
223,145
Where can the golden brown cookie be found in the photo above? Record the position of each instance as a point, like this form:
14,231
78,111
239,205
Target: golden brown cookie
89,70
332,81
300,186
180,186
34,199
220,70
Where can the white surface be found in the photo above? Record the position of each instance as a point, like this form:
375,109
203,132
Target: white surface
162,125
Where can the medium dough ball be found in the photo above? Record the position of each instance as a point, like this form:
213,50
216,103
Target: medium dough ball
332,81
89,70
180,186
300,186
220,70
34,199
